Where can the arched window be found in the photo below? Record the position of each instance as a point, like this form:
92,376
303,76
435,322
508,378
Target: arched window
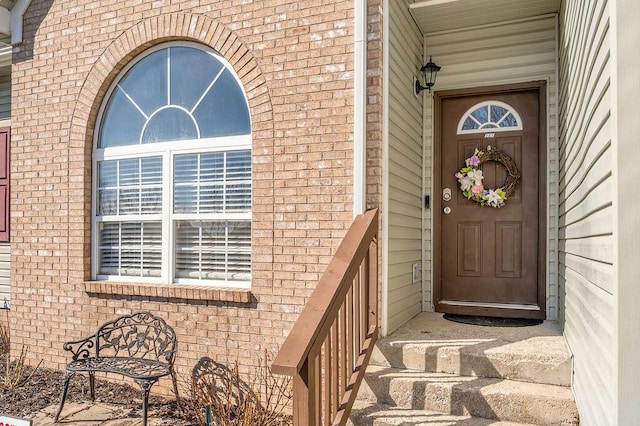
489,116
172,172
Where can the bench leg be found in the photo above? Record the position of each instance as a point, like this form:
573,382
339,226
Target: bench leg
67,377
145,386
174,379
92,385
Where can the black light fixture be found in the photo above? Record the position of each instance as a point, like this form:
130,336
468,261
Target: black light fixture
429,73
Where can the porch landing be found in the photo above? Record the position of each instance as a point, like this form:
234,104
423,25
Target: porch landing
437,372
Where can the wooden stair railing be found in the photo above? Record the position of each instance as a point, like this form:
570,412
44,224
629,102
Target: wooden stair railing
330,345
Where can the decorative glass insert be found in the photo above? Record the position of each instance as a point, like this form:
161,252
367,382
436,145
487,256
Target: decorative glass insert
172,173
493,116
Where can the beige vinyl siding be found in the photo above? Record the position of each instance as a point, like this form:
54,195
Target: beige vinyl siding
404,167
512,52
625,113
5,267
586,253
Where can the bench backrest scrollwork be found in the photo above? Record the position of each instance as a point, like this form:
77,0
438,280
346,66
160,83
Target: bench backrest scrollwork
139,335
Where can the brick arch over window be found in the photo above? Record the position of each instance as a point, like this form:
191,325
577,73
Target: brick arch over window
143,35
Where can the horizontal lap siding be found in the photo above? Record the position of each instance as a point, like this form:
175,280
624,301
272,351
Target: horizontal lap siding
586,253
501,54
405,167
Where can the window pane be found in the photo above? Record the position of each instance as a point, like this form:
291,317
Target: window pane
107,174
212,177
213,182
238,165
469,124
239,249
151,181
509,121
131,186
481,114
129,201
497,112
130,249
129,183
109,248
192,71
107,203
224,111
212,167
214,250
170,124
186,168
129,172
211,199
146,83
152,249
238,190
122,122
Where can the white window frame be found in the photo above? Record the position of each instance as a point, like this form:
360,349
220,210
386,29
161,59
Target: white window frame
168,151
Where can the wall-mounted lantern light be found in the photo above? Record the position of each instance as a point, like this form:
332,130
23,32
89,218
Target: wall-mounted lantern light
429,73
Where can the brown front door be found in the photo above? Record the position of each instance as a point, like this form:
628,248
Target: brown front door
490,261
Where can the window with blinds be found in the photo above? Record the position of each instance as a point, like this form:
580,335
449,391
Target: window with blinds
172,172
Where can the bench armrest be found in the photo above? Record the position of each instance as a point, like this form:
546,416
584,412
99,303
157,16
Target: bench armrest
81,349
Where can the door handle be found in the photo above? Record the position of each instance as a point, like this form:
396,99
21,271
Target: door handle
447,210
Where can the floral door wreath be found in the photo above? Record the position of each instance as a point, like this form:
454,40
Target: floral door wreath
470,178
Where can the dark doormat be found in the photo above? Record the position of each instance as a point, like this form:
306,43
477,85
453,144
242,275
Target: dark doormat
492,321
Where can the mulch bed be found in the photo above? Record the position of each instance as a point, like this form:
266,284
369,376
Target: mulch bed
45,387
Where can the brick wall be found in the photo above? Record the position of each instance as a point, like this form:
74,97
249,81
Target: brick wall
295,60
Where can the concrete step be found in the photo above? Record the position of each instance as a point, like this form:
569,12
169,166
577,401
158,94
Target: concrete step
383,415
488,398
429,343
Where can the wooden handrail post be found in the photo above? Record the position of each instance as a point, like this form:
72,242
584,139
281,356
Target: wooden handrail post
303,384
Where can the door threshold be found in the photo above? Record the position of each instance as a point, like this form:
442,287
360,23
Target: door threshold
491,305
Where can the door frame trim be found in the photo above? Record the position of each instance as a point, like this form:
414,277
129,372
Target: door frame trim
540,311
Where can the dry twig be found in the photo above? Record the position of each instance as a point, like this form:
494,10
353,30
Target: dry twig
262,401
16,373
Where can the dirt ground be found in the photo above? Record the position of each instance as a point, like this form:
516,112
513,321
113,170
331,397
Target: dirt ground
45,386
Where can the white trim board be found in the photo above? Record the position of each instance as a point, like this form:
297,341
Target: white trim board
17,15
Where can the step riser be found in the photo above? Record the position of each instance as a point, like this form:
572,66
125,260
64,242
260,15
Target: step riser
552,369
433,367
396,417
468,398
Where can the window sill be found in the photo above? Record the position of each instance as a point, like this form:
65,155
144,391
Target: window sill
169,291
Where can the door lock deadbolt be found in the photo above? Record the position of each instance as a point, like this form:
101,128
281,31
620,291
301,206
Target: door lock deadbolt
446,194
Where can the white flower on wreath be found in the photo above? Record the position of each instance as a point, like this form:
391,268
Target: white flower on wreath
466,183
493,198
476,176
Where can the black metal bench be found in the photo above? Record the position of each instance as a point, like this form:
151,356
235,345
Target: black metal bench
140,346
